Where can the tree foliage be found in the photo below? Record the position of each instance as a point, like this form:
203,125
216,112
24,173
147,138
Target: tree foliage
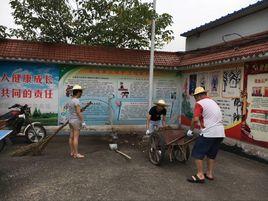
42,20
4,32
116,23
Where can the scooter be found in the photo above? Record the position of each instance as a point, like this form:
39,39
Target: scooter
18,120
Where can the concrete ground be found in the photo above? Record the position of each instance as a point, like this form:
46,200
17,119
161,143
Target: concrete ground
105,175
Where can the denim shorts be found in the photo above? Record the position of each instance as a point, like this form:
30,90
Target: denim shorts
205,146
75,124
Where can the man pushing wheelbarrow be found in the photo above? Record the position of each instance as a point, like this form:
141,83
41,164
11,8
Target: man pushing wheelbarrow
176,143
156,117
208,114
164,139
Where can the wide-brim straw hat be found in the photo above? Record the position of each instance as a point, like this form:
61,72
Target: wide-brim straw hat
77,87
199,90
161,103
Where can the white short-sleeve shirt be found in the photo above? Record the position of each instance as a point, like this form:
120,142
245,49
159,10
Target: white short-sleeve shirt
72,111
210,117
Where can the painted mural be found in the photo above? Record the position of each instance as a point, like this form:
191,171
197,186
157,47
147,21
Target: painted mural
32,84
119,96
255,104
214,83
231,80
244,106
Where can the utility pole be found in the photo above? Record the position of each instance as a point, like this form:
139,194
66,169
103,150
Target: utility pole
151,72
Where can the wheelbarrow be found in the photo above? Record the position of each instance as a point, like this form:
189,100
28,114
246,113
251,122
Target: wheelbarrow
171,142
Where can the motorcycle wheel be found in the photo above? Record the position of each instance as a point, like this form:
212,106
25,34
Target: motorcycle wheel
40,133
2,144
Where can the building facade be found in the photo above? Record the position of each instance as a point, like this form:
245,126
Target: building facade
245,22
116,81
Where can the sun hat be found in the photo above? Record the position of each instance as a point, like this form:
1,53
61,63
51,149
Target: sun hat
199,90
161,103
77,87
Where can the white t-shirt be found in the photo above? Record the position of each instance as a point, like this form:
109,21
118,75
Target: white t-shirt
210,117
72,110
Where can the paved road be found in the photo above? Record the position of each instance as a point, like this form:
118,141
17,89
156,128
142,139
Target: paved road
105,175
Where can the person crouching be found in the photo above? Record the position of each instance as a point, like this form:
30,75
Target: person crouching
154,117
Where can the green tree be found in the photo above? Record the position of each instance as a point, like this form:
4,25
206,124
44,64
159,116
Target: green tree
35,113
3,32
115,23
42,20
39,113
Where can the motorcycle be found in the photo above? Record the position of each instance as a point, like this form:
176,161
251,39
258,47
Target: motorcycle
2,144
18,120
3,134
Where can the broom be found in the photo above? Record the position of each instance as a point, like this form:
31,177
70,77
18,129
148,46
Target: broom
36,149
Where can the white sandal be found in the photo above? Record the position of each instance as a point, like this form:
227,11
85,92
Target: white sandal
78,156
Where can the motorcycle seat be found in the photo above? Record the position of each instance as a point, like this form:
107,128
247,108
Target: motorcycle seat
3,124
7,116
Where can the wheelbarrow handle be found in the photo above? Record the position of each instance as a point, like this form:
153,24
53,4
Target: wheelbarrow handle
191,140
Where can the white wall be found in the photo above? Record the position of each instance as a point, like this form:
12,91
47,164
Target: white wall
248,25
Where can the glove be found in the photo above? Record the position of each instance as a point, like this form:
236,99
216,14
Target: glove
147,132
84,125
189,133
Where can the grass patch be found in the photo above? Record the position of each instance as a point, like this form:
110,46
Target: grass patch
52,121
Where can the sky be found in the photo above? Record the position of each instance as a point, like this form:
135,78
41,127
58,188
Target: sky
187,14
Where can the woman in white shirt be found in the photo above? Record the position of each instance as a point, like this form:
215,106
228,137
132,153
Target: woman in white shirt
76,121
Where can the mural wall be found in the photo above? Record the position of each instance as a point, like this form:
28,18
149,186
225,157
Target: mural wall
119,96
241,96
255,103
32,84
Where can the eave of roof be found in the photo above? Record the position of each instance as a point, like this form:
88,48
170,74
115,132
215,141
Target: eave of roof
235,55
240,50
11,49
228,18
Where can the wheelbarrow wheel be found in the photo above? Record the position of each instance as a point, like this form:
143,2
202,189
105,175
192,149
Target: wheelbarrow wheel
182,153
156,149
2,144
